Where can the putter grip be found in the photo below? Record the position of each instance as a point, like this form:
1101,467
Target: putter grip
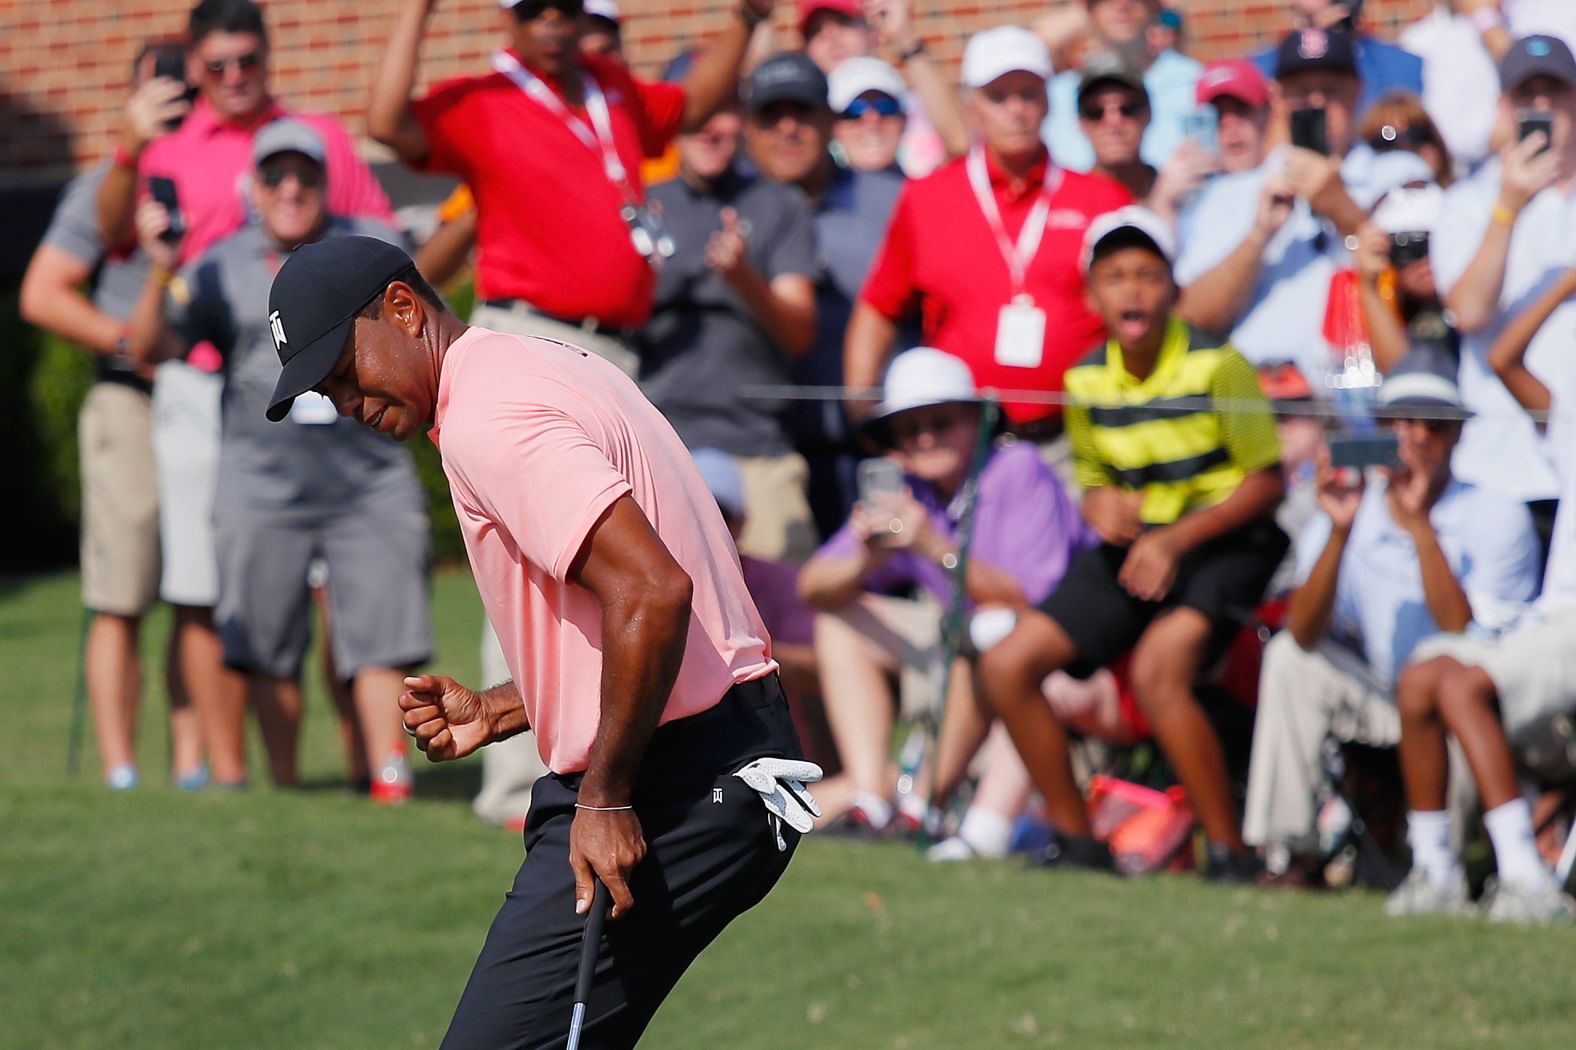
591,942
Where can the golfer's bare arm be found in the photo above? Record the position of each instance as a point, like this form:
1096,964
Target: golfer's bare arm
645,599
505,710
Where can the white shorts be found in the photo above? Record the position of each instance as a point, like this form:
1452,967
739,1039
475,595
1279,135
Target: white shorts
1533,667
186,446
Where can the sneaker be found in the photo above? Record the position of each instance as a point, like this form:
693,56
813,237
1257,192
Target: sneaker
856,824
950,850
1070,851
1229,868
395,783
193,780
1419,895
1519,903
122,777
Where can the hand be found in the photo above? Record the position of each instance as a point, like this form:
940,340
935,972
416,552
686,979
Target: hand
898,522
1527,168
1373,252
1113,514
1315,178
893,22
1340,491
609,845
150,111
1409,493
1276,201
1151,566
448,720
1187,169
726,251
153,221
1331,16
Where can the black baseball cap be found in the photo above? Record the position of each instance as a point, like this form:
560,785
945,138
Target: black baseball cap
1536,56
1316,49
313,304
789,77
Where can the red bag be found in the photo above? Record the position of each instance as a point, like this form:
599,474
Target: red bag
1146,829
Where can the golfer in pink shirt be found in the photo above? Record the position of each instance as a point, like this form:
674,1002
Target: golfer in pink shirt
638,657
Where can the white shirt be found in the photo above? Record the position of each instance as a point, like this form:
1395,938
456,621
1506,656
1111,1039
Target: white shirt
1380,609
1284,319
1460,78
1559,580
1500,449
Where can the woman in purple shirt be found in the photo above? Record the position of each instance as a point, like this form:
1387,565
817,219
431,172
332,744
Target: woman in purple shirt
1026,530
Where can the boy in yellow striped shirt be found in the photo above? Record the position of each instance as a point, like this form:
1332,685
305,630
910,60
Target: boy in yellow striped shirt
1175,447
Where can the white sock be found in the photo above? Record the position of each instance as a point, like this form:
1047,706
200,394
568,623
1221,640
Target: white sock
876,809
987,833
1428,833
1515,851
912,806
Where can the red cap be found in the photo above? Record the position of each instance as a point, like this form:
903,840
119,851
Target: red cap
848,8
1235,77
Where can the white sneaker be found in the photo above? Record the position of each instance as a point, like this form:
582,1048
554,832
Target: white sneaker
1520,903
953,849
1418,895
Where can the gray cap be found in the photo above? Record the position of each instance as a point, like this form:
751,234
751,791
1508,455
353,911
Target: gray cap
1423,379
1536,56
288,135
1106,68
788,77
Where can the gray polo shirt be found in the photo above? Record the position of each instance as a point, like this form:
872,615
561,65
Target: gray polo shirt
702,347
118,279
314,463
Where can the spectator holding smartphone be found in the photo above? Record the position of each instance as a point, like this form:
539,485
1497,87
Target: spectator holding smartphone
1396,278
1239,95
1382,66
1501,235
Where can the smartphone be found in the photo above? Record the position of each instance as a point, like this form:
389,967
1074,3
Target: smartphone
170,61
1308,130
1364,450
1202,126
162,189
877,477
1530,120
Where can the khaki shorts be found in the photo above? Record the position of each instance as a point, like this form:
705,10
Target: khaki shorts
520,320
186,444
120,501
1533,667
908,632
778,524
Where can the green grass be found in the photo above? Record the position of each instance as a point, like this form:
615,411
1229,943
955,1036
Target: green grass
312,920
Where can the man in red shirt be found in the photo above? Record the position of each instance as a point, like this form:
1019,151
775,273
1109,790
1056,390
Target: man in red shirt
988,247
550,143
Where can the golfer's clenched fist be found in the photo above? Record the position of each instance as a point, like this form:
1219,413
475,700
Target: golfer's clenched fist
448,720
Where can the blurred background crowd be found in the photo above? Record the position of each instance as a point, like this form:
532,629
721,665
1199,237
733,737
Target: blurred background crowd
1193,426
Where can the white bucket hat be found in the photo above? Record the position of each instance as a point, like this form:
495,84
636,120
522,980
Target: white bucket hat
920,378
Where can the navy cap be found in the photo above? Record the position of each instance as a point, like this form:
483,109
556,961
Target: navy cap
789,77
1536,56
313,304
1310,49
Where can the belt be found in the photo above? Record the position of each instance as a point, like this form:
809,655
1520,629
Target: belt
125,379
590,325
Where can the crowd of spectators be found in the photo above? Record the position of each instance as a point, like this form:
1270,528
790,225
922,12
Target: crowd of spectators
1036,392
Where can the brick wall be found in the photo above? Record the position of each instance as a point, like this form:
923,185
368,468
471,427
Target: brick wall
64,65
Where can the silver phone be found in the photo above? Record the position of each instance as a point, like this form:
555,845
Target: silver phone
879,476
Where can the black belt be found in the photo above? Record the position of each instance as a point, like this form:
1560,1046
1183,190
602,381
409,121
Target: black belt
586,324
126,379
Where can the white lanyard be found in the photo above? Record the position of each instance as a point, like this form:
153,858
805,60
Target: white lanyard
1017,256
596,105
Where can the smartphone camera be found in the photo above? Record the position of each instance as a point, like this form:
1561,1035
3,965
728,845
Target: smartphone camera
162,190
170,61
1530,120
1309,130
1408,248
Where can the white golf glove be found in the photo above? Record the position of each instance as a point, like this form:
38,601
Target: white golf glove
781,784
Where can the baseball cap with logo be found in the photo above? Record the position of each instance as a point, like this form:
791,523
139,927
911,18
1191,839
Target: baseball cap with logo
1233,78
854,76
993,53
1128,227
1305,50
313,305
1536,56
788,77
289,136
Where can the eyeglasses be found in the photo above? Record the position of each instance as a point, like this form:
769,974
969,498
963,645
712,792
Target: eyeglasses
310,178
1391,137
1128,111
531,10
220,66
883,106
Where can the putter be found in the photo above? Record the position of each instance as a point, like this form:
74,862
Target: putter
590,942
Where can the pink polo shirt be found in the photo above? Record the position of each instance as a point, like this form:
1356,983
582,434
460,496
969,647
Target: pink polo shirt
211,162
538,440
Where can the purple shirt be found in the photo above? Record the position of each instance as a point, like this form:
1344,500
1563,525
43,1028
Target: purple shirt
1024,524
775,587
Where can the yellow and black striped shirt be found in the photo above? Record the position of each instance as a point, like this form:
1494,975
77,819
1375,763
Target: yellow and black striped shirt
1168,435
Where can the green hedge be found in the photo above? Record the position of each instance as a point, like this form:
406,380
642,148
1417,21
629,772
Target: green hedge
43,381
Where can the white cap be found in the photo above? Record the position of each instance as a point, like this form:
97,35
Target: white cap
1410,209
1388,172
602,9
1132,217
993,53
854,76
921,377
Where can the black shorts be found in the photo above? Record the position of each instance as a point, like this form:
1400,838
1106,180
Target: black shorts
711,855
1222,579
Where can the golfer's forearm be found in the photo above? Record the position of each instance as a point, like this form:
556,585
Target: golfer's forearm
643,640
505,710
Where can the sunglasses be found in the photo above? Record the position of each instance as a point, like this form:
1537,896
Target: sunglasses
531,10
1128,110
881,107
1391,138
220,66
309,178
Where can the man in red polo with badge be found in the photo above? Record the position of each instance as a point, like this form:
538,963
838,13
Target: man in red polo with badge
550,143
988,247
